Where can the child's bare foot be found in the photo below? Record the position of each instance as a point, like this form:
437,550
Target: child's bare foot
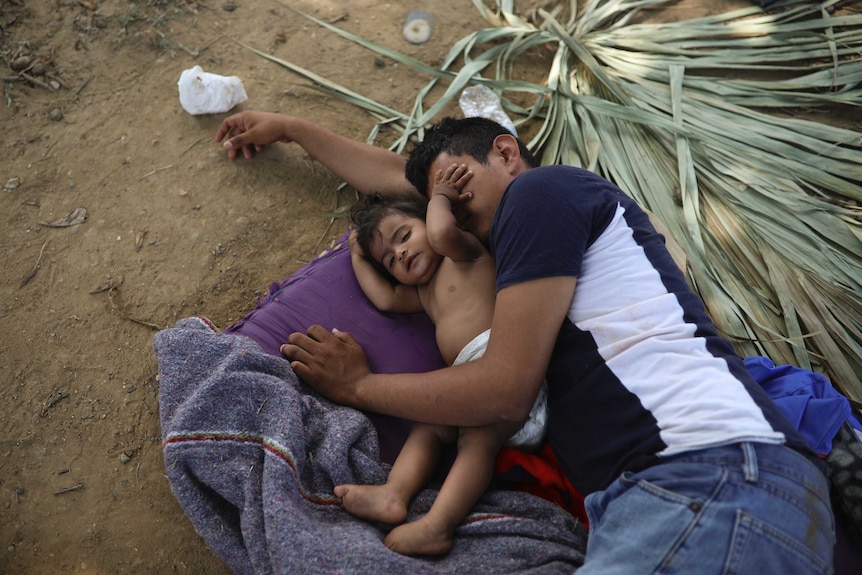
419,537
372,502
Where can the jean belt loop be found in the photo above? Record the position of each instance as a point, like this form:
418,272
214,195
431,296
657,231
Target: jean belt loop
749,466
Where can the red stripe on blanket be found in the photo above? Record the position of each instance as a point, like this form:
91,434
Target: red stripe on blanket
265,444
536,473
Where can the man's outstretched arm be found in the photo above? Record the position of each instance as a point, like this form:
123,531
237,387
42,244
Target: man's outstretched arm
366,168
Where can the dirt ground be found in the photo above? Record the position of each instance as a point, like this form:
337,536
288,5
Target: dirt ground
173,229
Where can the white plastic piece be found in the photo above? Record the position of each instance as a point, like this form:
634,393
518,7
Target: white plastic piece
481,101
417,28
205,93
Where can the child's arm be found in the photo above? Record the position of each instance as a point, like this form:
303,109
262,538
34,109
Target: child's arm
396,298
444,235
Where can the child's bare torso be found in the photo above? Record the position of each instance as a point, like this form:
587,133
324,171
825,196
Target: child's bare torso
459,299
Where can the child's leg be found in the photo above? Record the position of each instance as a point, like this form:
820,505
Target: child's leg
415,464
470,475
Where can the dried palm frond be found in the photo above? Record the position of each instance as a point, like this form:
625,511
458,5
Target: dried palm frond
695,119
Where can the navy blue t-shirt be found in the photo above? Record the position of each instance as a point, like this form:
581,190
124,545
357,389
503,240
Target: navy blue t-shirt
638,370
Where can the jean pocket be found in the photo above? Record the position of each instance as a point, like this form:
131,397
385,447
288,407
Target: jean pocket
758,548
667,495
689,485
638,528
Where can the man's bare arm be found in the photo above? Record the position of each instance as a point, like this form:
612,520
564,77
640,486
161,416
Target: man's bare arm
501,386
365,167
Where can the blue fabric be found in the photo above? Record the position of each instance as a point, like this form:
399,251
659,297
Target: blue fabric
807,399
744,508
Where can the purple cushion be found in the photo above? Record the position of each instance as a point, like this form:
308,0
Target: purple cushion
325,292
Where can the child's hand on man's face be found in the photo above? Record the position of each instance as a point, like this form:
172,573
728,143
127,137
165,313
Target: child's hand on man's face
451,181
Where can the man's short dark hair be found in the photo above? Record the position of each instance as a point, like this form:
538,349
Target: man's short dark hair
367,213
471,136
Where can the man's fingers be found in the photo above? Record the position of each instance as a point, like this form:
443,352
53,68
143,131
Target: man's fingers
222,131
293,352
299,342
332,362
344,336
298,347
303,346
318,333
229,126
234,142
300,369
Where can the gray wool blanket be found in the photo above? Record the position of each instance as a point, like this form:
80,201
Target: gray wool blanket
252,456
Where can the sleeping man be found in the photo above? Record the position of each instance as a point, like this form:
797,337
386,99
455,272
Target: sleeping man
651,413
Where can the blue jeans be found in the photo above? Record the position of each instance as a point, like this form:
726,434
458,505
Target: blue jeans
744,508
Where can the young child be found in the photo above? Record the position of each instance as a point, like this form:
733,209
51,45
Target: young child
450,275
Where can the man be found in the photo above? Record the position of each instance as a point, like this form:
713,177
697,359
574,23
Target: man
688,466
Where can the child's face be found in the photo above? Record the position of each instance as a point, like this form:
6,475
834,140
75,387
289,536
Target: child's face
402,248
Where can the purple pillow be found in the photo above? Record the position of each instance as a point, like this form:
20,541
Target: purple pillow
325,292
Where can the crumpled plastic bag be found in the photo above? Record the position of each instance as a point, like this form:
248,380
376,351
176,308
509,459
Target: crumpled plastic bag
205,93
481,101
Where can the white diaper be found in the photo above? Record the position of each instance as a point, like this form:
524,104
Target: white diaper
532,433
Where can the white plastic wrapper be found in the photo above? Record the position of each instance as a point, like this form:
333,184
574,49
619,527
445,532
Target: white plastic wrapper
205,93
481,101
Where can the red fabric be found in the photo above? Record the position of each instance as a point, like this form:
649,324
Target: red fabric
540,474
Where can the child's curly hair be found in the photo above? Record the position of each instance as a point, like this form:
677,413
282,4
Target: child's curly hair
367,213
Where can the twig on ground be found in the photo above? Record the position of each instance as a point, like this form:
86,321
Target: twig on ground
148,174
32,273
84,85
124,315
53,399
195,143
76,487
33,80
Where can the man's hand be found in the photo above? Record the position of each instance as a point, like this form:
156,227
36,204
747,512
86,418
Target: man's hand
250,131
332,363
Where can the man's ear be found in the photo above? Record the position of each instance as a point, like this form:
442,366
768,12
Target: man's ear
506,147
